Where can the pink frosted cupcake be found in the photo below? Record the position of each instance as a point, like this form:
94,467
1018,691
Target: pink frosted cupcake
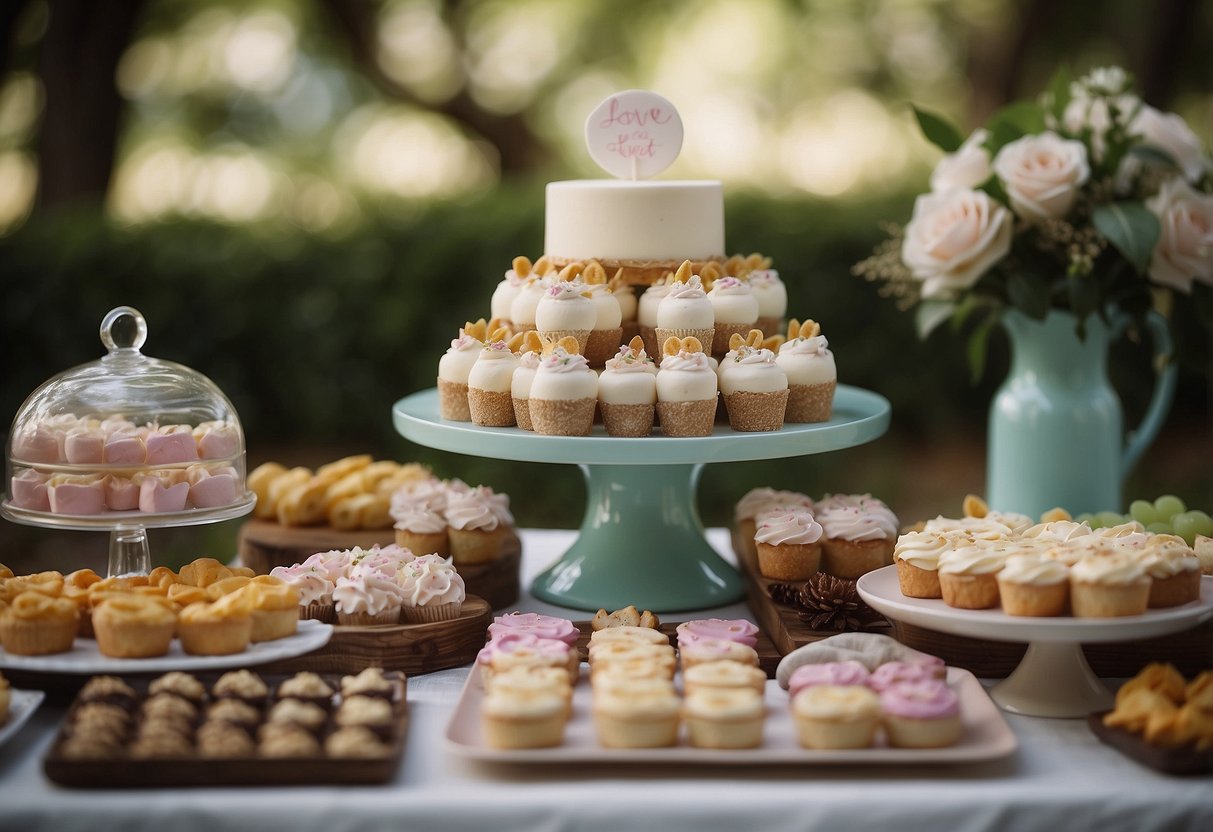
894,673
431,590
704,650
921,715
367,599
479,522
532,623
525,650
315,589
737,629
829,673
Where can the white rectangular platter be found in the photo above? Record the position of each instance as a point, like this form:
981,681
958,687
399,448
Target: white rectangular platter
986,736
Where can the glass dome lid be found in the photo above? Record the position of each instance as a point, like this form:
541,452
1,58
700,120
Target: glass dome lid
126,435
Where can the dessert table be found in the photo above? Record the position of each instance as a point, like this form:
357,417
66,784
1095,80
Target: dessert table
1060,778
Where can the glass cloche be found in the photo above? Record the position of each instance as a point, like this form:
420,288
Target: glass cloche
126,442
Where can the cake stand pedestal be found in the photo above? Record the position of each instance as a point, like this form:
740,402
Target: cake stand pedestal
641,540
129,553
1053,679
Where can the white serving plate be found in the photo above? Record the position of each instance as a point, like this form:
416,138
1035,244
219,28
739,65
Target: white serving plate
21,707
85,659
986,736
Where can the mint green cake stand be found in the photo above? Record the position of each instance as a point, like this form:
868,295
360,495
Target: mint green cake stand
641,540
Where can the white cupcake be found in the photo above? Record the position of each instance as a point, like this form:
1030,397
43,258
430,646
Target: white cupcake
564,393
735,311
607,332
565,310
627,391
685,311
754,386
812,377
686,389
646,315
453,370
490,400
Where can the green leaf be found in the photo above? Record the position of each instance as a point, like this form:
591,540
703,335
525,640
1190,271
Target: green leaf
1057,93
1002,133
978,344
1029,293
967,306
938,130
1154,156
1027,116
1131,229
930,314
993,187
1084,295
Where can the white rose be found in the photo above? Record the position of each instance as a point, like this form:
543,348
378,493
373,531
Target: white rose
1169,132
1084,111
953,237
1042,174
1185,247
968,167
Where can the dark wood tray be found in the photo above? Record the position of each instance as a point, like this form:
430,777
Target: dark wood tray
1183,761
126,772
264,545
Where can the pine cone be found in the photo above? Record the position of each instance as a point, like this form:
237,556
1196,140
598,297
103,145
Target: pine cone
785,594
829,603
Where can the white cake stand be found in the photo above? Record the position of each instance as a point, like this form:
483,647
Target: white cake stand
1054,679
641,539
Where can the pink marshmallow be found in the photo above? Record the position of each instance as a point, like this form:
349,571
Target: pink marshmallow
211,492
77,498
121,494
124,449
219,442
164,448
85,447
39,445
29,491
154,498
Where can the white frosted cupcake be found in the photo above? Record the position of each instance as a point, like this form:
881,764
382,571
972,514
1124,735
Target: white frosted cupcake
508,289
771,294
1033,585
686,389
980,529
490,400
754,386
627,391
1174,571
859,536
453,370
607,333
1060,530
566,310
812,377
735,311
723,674
916,555
758,501
430,590
1109,586
640,714
513,718
564,392
646,315
625,296
526,301
524,374
968,576
479,521
836,716
368,598
789,545
724,717
685,311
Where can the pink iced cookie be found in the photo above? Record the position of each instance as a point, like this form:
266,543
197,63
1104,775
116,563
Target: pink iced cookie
155,496
29,491
930,699
543,626
738,630
80,498
124,449
893,673
169,445
39,445
121,494
84,447
829,673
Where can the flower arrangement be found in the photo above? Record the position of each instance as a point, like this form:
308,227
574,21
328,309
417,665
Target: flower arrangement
1087,200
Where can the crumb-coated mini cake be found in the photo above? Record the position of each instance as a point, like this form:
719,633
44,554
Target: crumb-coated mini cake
530,354
34,624
564,392
686,311
512,718
489,380
753,385
627,391
1033,585
607,332
812,376
453,370
769,290
705,650
565,310
788,544
734,310
216,629
835,716
1109,586
844,673
724,717
646,315
687,388
638,714
723,674
921,714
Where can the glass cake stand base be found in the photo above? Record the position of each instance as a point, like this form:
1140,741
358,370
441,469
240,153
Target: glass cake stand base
641,539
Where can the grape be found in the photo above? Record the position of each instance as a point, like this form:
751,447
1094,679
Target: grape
1143,512
1203,523
1168,505
1087,518
1185,526
1110,518
1159,527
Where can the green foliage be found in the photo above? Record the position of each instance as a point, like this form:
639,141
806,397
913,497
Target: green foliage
938,130
1131,228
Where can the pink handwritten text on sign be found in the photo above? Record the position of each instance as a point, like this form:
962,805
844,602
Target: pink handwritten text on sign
634,134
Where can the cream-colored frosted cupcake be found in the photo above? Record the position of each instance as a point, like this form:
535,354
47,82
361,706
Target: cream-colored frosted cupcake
625,296
758,501
859,534
685,311
836,716
217,629
136,626
916,555
453,370
1034,585
515,718
603,657
367,599
566,310
36,624
479,524
1059,530
607,332
755,388
646,315
686,389
564,392
789,545
1174,571
723,674
644,635
769,291
490,402
627,391
640,714
979,529
534,680
1109,586
968,577
509,288
724,717
812,376
704,650
734,309
526,301
421,529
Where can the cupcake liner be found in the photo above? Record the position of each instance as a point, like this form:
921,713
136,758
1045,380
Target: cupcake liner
916,582
661,333
493,410
522,414
430,613
1029,600
1108,600
788,561
559,417
424,543
602,344
453,401
723,332
687,418
391,615
756,412
627,419
582,336
810,402
318,611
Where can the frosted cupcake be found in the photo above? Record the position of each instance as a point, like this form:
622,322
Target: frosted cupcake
685,311
508,289
1033,585
735,310
702,651
646,315
421,529
789,545
524,374
754,386
724,718
490,402
1174,571
607,333
367,599
627,391
430,590
757,501
921,715
636,716
541,626
453,370
968,577
812,377
858,538
731,629
835,716
479,522
564,392
686,389
1109,586
524,304
1062,531
628,306
724,674
770,292
929,668
315,588
979,529
566,310
846,673
513,718
916,555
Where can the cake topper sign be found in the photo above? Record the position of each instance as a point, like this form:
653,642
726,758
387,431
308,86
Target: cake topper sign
634,134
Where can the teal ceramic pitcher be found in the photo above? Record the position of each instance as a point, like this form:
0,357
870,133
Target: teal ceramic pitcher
1056,434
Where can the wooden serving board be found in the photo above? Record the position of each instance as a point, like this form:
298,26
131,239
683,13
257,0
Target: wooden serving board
411,648
1185,760
768,655
264,545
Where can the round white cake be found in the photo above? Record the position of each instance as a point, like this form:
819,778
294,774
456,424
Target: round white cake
634,222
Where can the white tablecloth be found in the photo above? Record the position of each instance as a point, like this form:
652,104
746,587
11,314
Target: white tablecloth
1061,779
